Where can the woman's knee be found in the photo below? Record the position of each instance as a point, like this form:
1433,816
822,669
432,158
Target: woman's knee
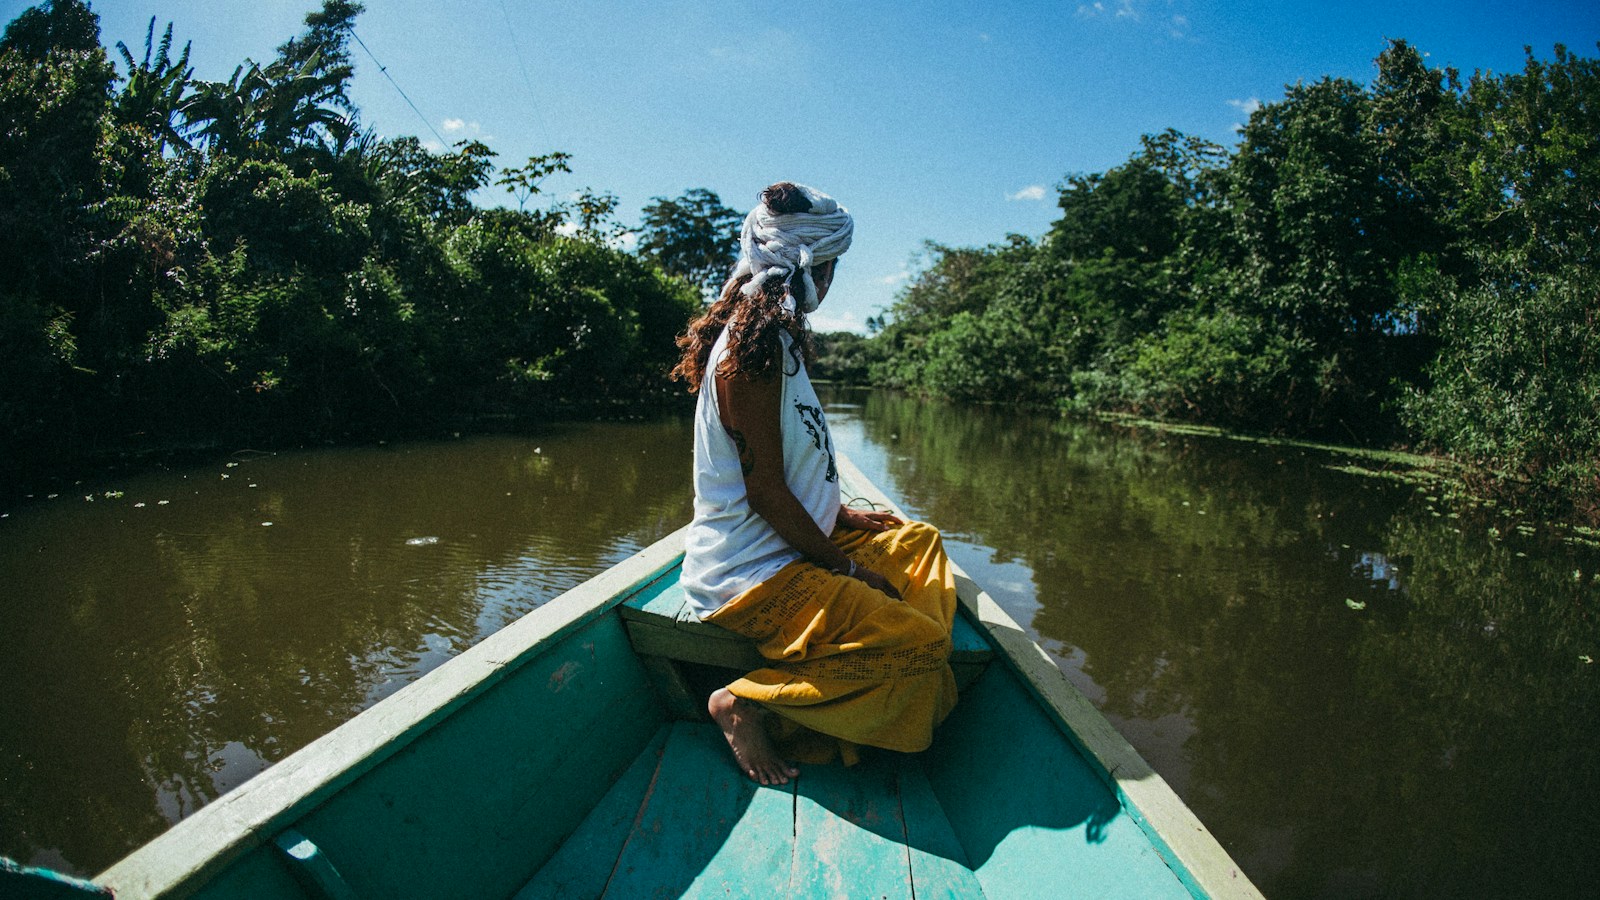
918,534
923,629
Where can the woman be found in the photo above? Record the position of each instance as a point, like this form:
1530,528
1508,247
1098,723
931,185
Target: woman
853,608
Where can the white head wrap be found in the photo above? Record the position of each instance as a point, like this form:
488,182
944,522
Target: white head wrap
793,242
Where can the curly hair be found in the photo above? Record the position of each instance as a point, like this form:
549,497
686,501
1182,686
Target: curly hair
754,323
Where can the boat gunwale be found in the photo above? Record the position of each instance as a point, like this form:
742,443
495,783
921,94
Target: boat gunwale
1190,850
183,858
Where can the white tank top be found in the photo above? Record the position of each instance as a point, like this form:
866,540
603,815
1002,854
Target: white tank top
729,548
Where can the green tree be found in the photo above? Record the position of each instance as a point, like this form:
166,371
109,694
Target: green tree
692,236
435,185
594,213
325,45
296,101
55,89
841,356
156,89
261,111
523,181
289,274
1514,382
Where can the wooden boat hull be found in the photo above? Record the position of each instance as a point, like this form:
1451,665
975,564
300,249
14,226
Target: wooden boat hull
554,759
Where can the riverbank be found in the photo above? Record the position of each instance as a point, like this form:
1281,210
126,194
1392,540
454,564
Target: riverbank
1459,481
1453,480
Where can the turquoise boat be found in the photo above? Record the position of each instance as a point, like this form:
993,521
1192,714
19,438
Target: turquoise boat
569,756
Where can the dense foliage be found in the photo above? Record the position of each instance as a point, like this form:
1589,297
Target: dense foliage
1412,262
189,260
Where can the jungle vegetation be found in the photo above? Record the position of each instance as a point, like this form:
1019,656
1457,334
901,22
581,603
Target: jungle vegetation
187,261
1406,264
1409,263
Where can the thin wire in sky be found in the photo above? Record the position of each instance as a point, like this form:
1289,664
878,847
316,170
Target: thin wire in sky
385,70
527,82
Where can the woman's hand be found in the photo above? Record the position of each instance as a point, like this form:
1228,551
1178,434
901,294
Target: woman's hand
867,520
873,579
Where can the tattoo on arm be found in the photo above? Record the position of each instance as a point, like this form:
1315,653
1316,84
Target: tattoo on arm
747,457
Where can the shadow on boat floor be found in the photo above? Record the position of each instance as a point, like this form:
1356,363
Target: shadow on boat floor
682,821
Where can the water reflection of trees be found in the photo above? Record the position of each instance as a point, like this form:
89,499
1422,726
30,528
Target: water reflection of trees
1438,739
171,652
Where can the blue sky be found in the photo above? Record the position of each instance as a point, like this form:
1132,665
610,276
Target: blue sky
945,121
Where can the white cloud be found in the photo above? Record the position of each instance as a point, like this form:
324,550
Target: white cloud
1031,192
1124,9
899,277
839,320
461,126
1248,107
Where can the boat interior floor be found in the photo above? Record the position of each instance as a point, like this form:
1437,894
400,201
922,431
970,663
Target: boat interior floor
682,821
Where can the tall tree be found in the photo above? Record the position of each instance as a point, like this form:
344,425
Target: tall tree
55,88
156,89
523,182
595,215
297,100
326,39
693,236
1516,377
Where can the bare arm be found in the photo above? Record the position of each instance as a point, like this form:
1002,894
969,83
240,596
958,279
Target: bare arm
751,410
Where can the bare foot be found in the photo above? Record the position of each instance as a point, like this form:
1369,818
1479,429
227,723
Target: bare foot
740,721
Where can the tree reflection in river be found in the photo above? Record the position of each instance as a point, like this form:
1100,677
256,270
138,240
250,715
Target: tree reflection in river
1357,687
169,651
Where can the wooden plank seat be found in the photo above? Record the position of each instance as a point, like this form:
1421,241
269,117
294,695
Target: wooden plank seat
663,630
683,822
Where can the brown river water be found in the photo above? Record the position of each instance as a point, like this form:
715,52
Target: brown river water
1364,688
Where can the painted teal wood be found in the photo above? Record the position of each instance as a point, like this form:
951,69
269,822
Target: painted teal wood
19,882
583,864
677,694
676,824
662,597
1030,811
309,866
849,825
495,788
939,869
258,874
706,830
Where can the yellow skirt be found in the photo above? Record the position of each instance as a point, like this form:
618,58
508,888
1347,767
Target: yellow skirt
849,665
